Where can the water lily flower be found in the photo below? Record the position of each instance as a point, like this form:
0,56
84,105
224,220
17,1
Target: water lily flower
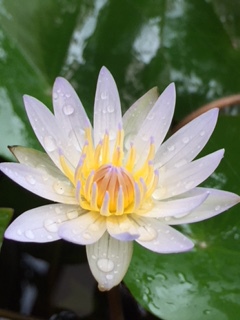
117,181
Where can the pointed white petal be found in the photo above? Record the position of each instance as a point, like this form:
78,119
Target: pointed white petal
156,123
46,129
179,180
180,205
185,144
217,202
159,237
107,108
86,229
109,260
40,224
70,115
134,117
43,181
122,228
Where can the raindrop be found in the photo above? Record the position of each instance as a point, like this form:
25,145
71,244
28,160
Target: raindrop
49,143
87,235
110,108
55,95
206,311
167,219
217,208
58,210
150,116
73,214
68,109
185,140
30,180
109,276
49,237
50,225
147,233
104,95
94,227
189,185
58,186
112,135
105,265
19,232
171,148
68,95
180,163
29,234
202,133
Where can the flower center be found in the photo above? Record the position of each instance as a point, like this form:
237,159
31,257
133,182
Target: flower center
117,184
108,182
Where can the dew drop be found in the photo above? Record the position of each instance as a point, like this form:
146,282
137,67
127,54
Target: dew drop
110,108
87,235
29,234
217,208
50,225
30,180
68,109
49,237
171,148
68,95
105,265
189,185
112,135
94,227
58,186
19,232
73,214
185,140
49,143
147,233
55,95
150,116
202,133
109,276
104,95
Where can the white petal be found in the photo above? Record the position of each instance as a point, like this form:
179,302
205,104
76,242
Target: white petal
107,108
43,181
156,124
217,202
109,260
122,228
40,224
179,180
70,115
86,229
134,117
185,144
159,237
46,129
180,205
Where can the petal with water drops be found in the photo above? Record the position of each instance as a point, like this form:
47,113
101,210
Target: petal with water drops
217,202
39,224
107,108
109,260
86,229
186,143
160,237
70,116
179,180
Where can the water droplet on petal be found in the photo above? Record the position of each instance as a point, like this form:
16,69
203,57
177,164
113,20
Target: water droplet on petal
217,208
147,233
171,148
104,95
112,135
110,108
50,225
185,140
202,133
73,214
94,227
68,109
19,232
109,276
55,95
58,186
105,265
87,235
29,234
189,185
150,116
30,180
49,143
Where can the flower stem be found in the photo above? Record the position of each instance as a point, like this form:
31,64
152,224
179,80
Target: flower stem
115,304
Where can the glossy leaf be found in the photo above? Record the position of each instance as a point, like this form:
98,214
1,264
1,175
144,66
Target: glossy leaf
5,217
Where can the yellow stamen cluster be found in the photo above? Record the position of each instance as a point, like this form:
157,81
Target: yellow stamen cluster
106,181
